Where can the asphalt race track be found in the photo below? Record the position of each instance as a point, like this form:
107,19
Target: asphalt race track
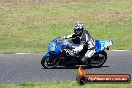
23,68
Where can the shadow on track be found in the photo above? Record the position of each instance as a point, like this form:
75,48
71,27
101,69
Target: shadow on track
76,67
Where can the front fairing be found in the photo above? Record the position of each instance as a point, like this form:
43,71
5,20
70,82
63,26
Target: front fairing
51,46
56,45
46,54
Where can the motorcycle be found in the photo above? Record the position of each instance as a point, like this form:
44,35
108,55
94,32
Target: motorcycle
59,54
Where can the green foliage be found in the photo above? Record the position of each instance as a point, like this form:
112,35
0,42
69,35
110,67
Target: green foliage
68,84
27,26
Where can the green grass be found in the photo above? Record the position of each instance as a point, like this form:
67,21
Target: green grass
68,84
27,26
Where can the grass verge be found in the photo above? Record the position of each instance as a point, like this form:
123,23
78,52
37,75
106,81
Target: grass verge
67,84
28,25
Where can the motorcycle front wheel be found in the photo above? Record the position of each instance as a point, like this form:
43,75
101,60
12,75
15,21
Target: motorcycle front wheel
49,63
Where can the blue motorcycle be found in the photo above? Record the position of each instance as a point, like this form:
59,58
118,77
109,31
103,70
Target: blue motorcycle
59,54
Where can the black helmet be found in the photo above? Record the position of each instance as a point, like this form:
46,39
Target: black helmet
78,28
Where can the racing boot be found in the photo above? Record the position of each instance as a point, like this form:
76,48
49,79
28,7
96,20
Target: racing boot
85,60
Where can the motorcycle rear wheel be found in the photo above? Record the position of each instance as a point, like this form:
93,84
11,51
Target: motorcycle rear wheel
99,60
47,63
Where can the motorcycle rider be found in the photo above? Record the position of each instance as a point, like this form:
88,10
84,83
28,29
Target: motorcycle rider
83,38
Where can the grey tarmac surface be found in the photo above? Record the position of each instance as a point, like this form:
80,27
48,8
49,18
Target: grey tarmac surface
17,68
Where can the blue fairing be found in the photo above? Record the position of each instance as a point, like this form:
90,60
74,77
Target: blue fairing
55,46
53,54
46,54
102,44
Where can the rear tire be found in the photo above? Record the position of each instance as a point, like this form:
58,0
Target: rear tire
100,59
48,64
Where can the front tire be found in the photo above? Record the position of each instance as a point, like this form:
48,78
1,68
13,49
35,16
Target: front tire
99,59
47,63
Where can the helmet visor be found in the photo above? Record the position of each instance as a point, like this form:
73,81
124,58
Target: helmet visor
76,31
